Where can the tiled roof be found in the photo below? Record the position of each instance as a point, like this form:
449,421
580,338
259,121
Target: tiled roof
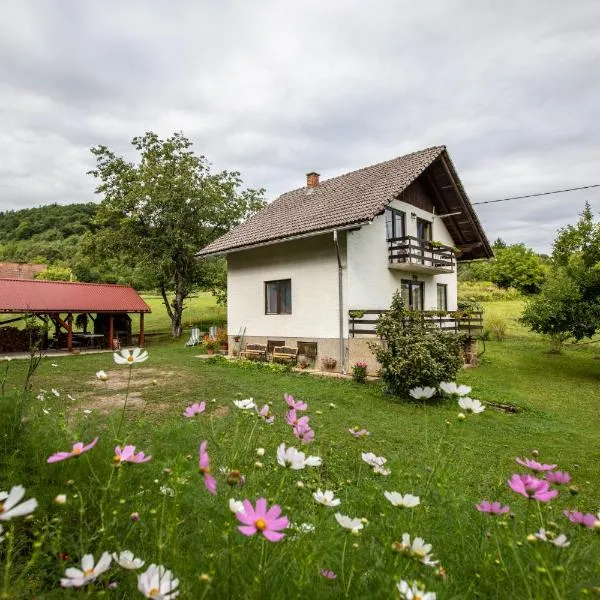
355,197
21,295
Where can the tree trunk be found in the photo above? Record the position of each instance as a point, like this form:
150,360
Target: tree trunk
174,309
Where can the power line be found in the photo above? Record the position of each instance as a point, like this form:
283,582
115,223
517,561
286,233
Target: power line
583,187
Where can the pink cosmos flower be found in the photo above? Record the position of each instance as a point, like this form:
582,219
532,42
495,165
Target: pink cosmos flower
78,448
127,454
194,409
534,465
493,508
558,477
531,487
295,404
265,414
293,419
304,433
328,574
259,519
586,520
358,433
204,467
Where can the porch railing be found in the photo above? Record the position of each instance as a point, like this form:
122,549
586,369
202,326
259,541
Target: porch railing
362,322
412,250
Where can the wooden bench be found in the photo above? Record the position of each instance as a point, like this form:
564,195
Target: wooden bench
255,352
285,354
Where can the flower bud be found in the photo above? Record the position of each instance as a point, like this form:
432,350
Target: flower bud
461,416
299,484
134,516
260,452
531,538
60,499
258,465
204,578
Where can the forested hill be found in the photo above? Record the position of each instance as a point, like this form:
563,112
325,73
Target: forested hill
54,235
48,234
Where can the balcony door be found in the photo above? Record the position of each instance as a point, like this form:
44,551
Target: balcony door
424,236
394,223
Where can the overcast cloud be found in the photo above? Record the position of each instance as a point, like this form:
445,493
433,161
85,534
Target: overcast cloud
275,89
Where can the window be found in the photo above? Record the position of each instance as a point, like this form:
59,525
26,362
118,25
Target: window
424,230
442,296
278,297
412,292
394,223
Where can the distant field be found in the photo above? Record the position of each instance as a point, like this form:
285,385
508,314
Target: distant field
201,310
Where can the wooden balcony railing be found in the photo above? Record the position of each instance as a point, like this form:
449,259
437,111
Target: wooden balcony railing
411,253
362,322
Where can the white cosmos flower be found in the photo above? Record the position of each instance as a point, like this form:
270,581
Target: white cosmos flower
157,582
326,498
102,375
294,459
413,592
355,525
449,387
247,404
419,393
236,506
55,392
406,501
470,405
10,507
419,549
130,357
303,527
78,577
377,462
127,560
560,541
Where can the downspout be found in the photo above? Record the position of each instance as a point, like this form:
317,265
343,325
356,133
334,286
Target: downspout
340,301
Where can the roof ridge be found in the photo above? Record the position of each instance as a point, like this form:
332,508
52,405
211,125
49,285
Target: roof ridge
441,148
90,283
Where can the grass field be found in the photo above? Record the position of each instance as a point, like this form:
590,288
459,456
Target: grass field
449,464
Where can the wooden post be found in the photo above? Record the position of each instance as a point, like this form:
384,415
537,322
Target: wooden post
70,332
141,340
111,332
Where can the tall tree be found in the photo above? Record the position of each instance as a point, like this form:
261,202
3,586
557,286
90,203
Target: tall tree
159,211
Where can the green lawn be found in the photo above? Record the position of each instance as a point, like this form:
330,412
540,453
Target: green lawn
450,464
201,310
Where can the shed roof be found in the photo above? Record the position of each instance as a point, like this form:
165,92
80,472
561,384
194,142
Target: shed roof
38,296
357,198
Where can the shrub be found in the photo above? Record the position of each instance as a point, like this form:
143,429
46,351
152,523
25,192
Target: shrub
496,326
414,353
485,291
359,372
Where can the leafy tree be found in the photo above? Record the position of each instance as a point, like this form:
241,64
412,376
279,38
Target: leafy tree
414,353
569,302
56,274
519,267
560,312
160,211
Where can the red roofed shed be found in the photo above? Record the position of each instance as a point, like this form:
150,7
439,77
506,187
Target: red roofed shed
53,298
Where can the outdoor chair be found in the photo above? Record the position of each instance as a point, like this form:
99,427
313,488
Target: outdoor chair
285,354
194,337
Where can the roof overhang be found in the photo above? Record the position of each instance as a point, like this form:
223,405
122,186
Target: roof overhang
279,240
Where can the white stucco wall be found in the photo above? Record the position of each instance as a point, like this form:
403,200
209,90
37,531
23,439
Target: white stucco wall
371,283
311,264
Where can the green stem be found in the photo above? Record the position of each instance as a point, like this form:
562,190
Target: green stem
9,551
125,403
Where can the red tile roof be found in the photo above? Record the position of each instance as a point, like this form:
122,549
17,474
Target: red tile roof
20,295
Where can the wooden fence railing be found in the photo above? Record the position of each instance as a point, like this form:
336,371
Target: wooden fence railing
363,321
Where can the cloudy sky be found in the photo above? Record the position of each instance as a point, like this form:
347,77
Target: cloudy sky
275,88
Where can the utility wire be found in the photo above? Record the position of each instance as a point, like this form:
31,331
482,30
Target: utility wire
583,187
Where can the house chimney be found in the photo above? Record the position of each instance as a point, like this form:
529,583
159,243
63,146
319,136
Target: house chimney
312,179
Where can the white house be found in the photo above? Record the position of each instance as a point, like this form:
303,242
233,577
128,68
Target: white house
316,266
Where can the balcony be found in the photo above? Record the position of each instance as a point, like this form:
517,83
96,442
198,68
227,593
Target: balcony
411,254
363,322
